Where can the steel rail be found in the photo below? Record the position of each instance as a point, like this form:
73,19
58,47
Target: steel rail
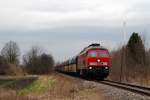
133,88
137,86
145,91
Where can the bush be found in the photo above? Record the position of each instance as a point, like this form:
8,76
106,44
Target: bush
3,65
14,70
37,62
42,64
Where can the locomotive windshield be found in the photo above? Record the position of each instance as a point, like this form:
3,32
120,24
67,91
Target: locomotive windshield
98,53
93,53
103,53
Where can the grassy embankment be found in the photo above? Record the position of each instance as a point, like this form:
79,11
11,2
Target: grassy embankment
23,86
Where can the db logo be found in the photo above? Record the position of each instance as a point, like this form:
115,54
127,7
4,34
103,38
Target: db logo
98,60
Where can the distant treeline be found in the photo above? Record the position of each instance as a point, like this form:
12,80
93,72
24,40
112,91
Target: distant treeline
131,62
35,61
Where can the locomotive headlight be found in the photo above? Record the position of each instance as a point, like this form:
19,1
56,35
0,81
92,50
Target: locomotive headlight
93,63
90,67
106,67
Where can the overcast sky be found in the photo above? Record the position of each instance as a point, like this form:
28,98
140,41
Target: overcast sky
64,27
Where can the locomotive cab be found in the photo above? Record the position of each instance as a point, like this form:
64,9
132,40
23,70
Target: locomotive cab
94,61
98,62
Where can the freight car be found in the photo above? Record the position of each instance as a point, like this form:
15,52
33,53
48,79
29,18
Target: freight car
93,61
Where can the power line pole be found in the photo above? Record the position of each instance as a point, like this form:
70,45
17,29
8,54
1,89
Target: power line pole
124,31
123,55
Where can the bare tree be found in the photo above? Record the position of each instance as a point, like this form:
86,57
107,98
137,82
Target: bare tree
11,52
37,62
33,53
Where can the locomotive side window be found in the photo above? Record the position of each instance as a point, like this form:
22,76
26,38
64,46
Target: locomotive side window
103,53
93,53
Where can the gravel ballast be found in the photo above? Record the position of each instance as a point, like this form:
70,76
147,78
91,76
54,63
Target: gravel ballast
113,93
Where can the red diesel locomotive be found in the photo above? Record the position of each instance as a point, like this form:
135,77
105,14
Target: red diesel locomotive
92,61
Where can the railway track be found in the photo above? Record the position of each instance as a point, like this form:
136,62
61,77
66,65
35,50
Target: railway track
145,91
133,88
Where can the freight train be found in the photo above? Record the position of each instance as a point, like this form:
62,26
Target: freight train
93,61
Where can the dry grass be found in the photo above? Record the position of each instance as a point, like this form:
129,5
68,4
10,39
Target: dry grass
37,87
67,88
54,87
10,86
14,70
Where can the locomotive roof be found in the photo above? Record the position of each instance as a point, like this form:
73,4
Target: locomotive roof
92,46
